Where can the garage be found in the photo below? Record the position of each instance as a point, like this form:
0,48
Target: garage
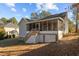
50,38
47,38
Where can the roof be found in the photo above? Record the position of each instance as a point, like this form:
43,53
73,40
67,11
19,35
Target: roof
51,17
55,18
1,23
11,25
62,15
24,19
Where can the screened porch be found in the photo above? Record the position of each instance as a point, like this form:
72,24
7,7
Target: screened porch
53,24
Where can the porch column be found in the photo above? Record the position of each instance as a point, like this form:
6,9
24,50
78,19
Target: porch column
31,26
57,29
47,25
27,27
39,26
42,25
36,26
57,25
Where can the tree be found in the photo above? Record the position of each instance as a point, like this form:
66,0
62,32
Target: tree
4,19
71,26
13,20
75,9
2,35
34,15
44,14
2,29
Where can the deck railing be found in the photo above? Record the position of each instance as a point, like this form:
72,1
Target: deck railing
28,35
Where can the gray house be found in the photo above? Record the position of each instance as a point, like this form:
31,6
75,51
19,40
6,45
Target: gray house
48,29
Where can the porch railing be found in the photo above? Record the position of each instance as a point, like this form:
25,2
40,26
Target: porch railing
28,35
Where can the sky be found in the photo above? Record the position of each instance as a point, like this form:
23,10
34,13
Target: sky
19,10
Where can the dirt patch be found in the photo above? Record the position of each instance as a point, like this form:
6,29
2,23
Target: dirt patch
19,49
69,46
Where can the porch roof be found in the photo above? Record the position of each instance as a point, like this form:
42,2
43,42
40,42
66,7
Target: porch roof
35,21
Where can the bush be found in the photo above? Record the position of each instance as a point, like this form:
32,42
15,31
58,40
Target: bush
2,35
71,27
2,29
13,35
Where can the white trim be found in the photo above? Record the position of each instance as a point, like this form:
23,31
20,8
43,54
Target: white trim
58,18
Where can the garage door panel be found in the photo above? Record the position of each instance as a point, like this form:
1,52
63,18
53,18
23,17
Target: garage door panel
47,38
50,38
53,38
41,38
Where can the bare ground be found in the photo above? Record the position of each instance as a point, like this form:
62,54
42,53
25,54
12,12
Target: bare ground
69,46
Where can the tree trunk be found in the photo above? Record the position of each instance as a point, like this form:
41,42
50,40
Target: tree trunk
76,20
76,26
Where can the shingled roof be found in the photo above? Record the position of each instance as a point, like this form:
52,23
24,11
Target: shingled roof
62,15
1,23
26,19
11,25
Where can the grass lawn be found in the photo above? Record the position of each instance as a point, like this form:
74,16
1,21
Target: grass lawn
9,42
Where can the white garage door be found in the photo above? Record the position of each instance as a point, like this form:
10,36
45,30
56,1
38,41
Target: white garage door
40,38
50,38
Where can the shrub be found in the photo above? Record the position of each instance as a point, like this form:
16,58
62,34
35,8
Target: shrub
2,29
13,35
71,26
2,35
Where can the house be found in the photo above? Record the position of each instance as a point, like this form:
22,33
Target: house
48,29
11,29
1,23
1,26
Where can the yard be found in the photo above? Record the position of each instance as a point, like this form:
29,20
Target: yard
69,46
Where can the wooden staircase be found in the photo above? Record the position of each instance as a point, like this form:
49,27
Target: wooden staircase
30,34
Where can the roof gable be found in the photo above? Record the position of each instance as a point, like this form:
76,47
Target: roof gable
11,25
1,23
24,19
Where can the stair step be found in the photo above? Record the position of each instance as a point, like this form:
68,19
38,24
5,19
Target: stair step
30,34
